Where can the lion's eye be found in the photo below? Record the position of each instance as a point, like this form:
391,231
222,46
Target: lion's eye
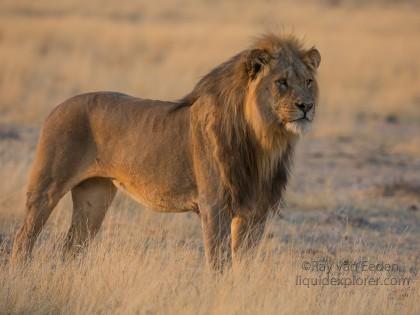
309,83
282,84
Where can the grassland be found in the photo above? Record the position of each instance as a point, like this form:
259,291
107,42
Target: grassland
355,189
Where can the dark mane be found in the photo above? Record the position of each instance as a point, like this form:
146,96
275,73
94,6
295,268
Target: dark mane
214,83
238,155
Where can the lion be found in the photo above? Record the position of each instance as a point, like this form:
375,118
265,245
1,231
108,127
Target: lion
223,151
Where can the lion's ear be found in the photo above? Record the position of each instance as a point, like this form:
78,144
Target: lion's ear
256,60
312,58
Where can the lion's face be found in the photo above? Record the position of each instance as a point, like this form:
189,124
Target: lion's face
286,90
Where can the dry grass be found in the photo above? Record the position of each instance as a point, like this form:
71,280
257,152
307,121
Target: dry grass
145,265
355,189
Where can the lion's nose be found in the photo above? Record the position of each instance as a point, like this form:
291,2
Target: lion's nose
304,107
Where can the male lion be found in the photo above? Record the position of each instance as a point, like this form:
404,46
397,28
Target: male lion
223,151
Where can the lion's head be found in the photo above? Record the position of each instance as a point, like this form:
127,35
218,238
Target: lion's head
274,81
282,89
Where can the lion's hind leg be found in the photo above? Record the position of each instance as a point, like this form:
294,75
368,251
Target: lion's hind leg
91,200
42,197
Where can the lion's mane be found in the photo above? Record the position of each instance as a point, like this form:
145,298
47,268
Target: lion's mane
242,161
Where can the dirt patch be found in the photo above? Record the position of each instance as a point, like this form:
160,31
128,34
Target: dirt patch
346,216
399,187
9,133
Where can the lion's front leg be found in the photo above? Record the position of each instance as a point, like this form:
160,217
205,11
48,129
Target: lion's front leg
216,235
247,232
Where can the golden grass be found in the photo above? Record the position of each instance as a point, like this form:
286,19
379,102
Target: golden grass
365,137
141,269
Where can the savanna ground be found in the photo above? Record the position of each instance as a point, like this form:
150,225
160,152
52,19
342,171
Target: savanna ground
355,189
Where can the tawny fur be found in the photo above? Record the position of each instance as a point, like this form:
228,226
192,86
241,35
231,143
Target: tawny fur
223,151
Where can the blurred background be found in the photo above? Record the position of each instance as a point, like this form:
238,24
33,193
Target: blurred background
51,50
362,157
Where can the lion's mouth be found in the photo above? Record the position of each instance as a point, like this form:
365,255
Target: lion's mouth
304,118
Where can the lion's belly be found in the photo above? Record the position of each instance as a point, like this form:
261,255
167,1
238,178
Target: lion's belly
158,199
